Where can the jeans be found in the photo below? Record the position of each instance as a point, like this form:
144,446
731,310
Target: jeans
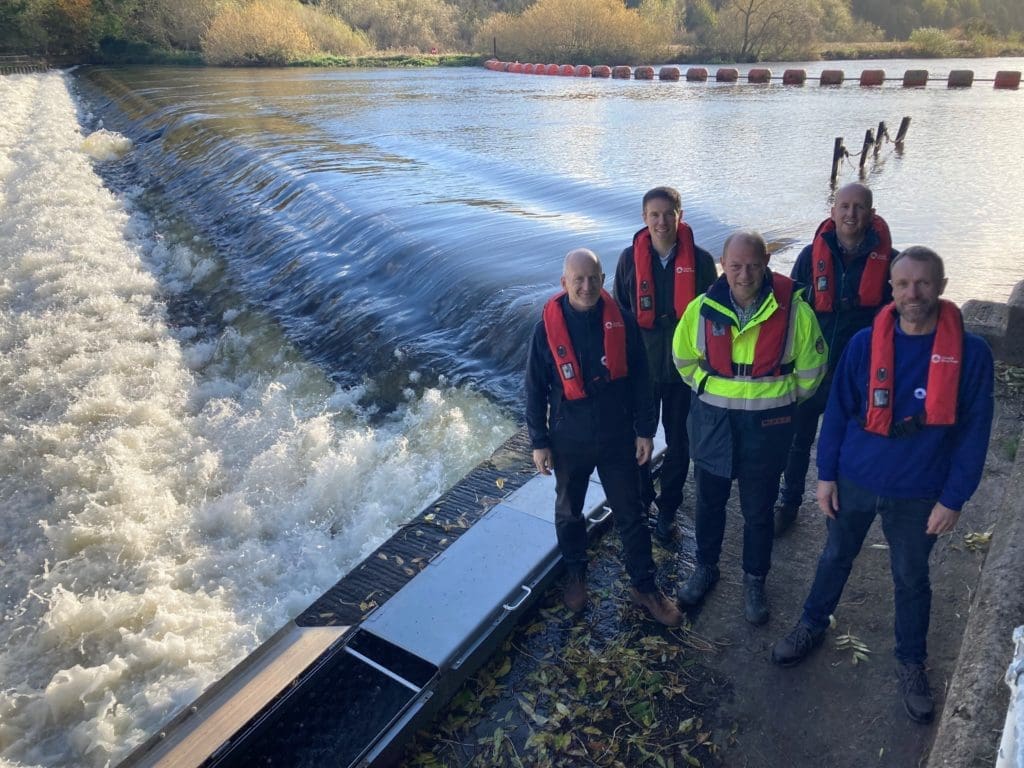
616,466
794,476
903,522
674,401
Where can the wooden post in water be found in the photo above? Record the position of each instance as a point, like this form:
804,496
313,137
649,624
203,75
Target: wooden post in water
882,131
869,139
494,42
838,152
901,134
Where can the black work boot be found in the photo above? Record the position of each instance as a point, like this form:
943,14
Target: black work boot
755,602
575,594
794,647
700,581
917,696
785,516
665,532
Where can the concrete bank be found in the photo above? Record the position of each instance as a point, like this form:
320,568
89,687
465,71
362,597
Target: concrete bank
972,719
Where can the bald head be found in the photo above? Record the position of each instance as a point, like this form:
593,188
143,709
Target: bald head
582,278
852,214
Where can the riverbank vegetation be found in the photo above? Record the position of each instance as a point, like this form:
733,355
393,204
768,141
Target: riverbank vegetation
417,32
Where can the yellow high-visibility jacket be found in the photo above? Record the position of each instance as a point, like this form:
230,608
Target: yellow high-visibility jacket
803,362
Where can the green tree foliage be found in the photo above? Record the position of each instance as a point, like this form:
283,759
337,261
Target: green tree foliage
930,41
176,23
400,25
578,31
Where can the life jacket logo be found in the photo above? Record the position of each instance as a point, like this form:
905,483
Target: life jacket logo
874,255
611,324
568,372
604,360
646,302
681,269
937,358
880,398
561,351
717,329
881,374
920,393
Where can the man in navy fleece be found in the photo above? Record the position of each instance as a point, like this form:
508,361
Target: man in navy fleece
904,436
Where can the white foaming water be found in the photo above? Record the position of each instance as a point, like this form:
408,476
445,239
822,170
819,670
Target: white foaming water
167,499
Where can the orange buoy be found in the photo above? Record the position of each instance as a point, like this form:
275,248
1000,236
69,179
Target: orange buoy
644,73
960,78
527,69
622,72
831,77
871,77
551,69
567,70
696,75
515,67
794,77
601,70
1007,78
668,73
582,70
915,78
759,75
727,75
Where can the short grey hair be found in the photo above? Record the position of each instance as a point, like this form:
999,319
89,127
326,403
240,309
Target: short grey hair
922,253
750,237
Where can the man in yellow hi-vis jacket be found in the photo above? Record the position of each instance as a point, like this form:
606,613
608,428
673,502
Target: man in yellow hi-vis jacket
751,349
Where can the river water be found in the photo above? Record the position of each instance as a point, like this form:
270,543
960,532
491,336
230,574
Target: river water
252,320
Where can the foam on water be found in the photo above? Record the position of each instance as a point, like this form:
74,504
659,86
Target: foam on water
169,496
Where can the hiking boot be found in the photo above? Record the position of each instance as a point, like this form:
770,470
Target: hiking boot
794,647
755,602
917,696
575,595
785,516
665,531
700,581
658,605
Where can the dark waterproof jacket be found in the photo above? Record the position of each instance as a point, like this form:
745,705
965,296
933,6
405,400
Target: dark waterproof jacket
658,340
838,327
622,409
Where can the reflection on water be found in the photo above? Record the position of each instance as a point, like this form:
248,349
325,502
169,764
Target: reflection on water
427,211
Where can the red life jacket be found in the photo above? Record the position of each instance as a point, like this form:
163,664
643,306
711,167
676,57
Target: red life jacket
564,355
684,285
943,370
771,339
872,281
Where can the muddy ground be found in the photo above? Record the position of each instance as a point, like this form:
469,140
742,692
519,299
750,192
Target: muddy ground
613,688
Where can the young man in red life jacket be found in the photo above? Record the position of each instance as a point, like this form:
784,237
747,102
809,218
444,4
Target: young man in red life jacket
904,436
656,277
750,348
845,274
588,405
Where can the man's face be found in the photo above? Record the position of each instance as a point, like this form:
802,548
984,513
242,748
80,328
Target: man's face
662,220
851,214
582,281
744,270
916,290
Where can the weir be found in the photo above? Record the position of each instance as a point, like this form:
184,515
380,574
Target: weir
377,655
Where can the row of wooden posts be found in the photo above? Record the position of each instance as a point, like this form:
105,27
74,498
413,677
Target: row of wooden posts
912,78
871,140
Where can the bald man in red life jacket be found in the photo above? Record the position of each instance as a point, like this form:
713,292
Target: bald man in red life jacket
656,278
589,405
904,438
845,276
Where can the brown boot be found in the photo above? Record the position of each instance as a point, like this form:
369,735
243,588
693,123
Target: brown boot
658,605
575,595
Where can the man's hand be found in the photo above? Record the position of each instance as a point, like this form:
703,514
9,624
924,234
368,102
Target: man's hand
941,520
828,497
644,449
542,460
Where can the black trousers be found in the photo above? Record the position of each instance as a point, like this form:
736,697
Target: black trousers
673,400
616,466
794,476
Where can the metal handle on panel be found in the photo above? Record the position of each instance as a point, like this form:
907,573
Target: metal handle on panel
605,516
527,592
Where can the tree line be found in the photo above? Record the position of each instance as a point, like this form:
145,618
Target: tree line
577,31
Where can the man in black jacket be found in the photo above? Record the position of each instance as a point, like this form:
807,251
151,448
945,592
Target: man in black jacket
845,274
656,277
588,405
